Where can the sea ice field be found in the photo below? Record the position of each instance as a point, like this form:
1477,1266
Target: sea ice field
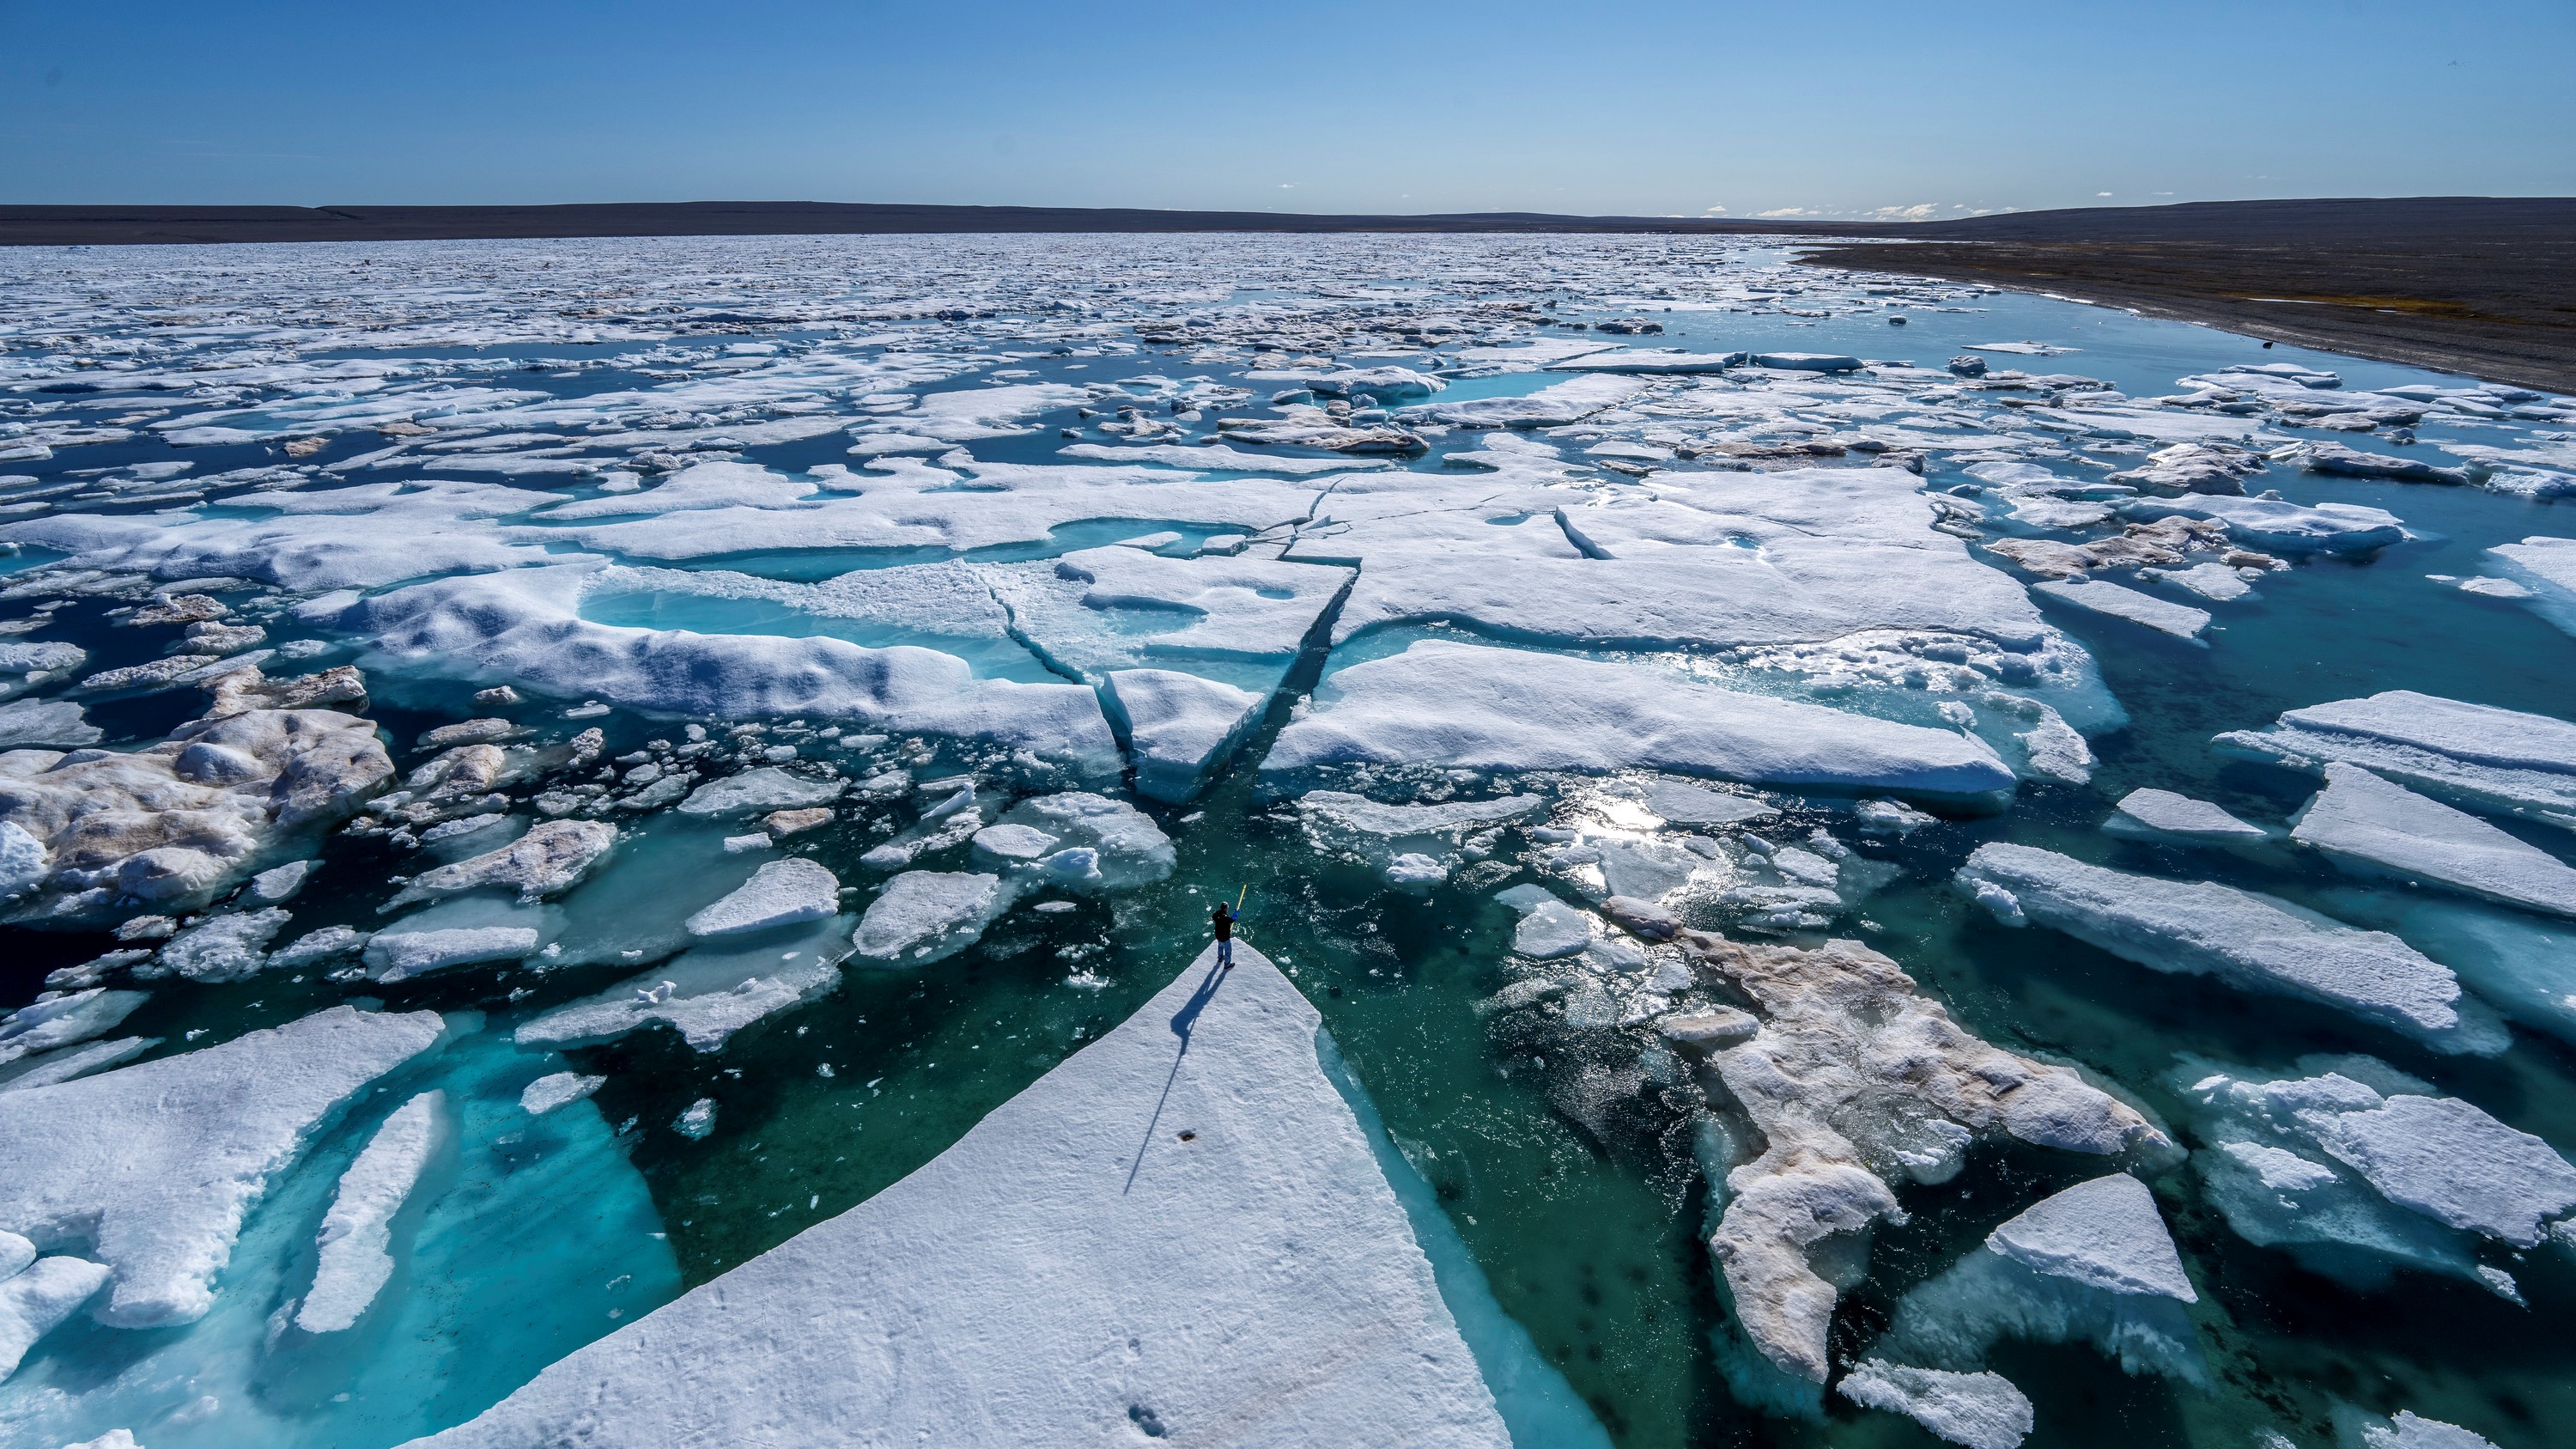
611,842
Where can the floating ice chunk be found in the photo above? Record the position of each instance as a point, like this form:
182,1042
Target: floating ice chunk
72,1017
2357,1168
707,993
38,1297
112,1439
1855,1080
2486,758
1890,817
314,947
2211,581
782,892
2251,941
2336,459
2180,620
1413,869
549,858
396,953
1954,1320
557,1089
1979,1410
1129,848
46,722
1549,927
526,625
2162,812
767,788
1014,843
1360,830
356,1240
271,886
226,948
2105,1234
1440,703
1180,727
2408,1431
2283,527
2361,817
2460,1167
700,485
697,1121
156,1165
2546,566
924,915
1068,1219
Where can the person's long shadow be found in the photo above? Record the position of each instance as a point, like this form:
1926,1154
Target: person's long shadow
1184,1021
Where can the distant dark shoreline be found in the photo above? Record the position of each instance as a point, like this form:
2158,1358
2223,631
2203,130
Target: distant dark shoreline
2479,285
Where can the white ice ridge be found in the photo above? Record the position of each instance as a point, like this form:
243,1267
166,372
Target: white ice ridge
357,1234
154,1166
1978,1410
2248,940
524,626
1178,1233
2486,758
2361,817
1440,703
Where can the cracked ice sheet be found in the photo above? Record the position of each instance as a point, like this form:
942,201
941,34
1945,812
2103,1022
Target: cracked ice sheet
1720,559
525,627
1447,704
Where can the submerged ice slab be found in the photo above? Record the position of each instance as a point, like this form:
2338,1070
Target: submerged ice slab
355,1257
1189,1184
2363,818
2484,757
708,992
153,1167
1440,703
2252,941
1978,1410
2355,1168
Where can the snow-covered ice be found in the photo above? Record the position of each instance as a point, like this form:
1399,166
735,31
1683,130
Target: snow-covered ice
2363,818
1448,704
153,1167
1190,1180
2248,940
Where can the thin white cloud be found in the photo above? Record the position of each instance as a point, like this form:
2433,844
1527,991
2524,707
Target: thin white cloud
1787,211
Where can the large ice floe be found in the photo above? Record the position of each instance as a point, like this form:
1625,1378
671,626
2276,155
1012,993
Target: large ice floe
1178,1233
2249,940
813,686
1445,704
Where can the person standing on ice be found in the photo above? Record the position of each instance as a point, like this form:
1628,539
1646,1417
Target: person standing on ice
1222,922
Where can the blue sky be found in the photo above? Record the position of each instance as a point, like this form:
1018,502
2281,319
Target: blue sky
1825,107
